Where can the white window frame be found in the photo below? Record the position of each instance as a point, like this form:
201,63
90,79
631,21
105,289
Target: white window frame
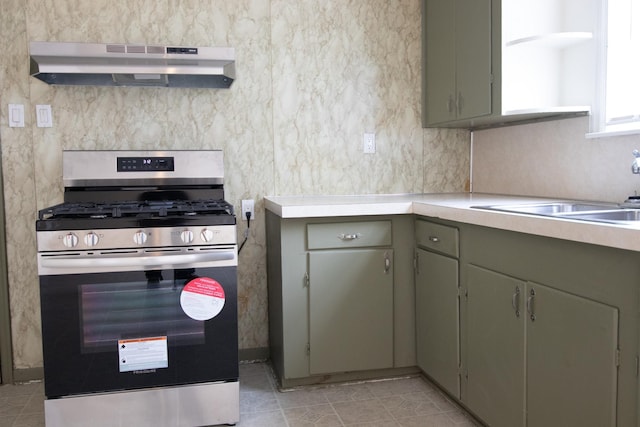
599,125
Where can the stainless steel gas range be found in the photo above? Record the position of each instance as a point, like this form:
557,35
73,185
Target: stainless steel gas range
138,287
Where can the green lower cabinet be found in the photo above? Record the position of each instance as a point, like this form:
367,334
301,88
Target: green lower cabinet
571,360
537,356
495,358
437,323
350,310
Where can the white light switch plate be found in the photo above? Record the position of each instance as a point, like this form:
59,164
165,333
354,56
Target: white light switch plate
16,115
43,116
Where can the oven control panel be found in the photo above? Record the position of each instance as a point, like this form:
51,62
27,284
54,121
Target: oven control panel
145,164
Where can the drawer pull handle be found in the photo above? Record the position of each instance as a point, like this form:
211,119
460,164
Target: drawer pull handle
434,239
347,237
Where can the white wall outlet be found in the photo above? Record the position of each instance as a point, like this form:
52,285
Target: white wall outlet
248,206
369,143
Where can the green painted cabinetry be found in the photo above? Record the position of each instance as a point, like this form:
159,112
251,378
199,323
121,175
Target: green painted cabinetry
341,297
351,310
491,62
437,327
547,356
549,330
457,49
494,354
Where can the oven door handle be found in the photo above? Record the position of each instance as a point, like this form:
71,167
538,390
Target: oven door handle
146,261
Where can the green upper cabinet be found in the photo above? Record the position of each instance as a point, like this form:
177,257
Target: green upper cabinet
457,60
491,62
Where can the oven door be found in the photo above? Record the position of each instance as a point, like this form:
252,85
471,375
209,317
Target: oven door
142,322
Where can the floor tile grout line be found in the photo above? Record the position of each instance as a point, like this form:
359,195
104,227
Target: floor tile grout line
264,383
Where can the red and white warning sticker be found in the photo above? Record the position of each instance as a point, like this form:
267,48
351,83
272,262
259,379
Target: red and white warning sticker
143,353
202,298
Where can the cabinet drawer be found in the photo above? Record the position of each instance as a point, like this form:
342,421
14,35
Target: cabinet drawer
437,237
349,234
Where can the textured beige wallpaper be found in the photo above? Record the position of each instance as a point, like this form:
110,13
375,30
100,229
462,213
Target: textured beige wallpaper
554,159
312,77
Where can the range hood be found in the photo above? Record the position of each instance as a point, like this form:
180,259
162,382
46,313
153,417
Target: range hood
91,64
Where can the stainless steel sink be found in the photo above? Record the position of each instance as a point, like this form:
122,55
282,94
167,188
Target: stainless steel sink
621,215
581,211
555,208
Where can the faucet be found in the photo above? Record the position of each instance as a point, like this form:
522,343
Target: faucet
635,166
633,201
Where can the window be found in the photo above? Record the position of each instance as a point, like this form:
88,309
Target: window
620,78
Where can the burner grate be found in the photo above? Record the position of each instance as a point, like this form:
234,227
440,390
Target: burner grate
144,209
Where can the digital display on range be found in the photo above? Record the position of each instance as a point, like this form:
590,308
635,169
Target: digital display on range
145,164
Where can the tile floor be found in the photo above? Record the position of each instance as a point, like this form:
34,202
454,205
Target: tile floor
405,402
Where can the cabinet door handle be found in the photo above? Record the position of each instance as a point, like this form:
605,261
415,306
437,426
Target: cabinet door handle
451,102
515,301
387,263
353,236
530,307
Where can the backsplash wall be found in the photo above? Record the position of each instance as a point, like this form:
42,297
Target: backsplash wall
554,159
312,77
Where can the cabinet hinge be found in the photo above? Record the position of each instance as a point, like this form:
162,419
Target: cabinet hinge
306,279
308,349
617,357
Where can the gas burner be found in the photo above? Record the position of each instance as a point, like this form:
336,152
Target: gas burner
144,209
167,189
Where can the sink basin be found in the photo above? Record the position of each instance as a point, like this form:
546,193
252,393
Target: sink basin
555,208
582,211
620,215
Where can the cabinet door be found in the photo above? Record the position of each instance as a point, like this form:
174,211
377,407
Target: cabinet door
437,318
351,310
571,360
439,61
473,58
457,60
495,348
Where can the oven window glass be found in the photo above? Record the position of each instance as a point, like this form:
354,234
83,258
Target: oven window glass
124,310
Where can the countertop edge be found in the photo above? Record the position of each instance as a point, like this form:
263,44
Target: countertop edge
458,207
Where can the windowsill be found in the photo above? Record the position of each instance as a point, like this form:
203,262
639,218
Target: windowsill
612,132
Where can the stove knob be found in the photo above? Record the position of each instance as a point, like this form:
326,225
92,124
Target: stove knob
186,236
140,237
206,235
70,240
91,239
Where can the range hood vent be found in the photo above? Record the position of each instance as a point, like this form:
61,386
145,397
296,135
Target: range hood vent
90,64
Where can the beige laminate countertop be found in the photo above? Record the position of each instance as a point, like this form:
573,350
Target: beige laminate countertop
458,207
